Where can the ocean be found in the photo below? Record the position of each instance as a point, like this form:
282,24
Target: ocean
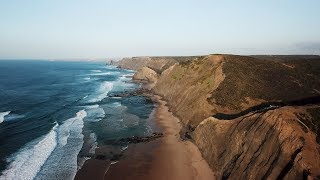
54,114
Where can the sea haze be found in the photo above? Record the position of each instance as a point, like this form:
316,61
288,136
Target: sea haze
50,111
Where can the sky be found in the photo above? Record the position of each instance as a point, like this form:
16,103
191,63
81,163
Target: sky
88,29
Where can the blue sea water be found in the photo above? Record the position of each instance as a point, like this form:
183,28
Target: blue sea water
50,111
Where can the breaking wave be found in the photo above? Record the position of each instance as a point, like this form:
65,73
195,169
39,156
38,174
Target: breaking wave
27,162
2,115
103,91
62,163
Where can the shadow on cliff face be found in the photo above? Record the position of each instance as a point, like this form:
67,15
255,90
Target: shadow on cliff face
312,123
263,107
264,145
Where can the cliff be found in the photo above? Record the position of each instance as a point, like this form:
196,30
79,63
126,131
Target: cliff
252,117
157,64
145,74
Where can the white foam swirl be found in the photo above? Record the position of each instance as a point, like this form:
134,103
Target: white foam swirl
62,163
26,163
103,91
3,114
96,70
95,113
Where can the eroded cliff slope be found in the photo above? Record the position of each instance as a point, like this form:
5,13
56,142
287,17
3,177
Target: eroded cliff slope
251,117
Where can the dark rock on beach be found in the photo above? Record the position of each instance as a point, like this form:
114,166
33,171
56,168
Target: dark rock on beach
137,92
139,139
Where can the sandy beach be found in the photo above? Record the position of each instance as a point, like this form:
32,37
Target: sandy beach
168,157
175,158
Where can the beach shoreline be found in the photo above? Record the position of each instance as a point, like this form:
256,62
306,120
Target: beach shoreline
168,157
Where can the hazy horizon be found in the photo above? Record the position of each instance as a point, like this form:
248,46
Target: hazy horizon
79,29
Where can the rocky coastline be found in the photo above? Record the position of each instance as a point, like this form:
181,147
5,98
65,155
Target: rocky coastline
278,143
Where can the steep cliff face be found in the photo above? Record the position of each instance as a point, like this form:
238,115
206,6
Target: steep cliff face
272,142
187,86
146,74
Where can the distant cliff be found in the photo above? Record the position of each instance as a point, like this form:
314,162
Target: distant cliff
158,64
252,117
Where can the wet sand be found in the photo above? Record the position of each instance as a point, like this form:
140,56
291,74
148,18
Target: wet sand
165,158
174,158
93,169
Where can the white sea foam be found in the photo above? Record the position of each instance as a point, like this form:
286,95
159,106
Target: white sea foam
114,162
62,163
103,91
93,139
12,117
64,129
127,76
130,74
95,113
124,148
101,74
122,84
111,67
93,106
87,78
2,115
116,104
96,71
26,163
92,144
